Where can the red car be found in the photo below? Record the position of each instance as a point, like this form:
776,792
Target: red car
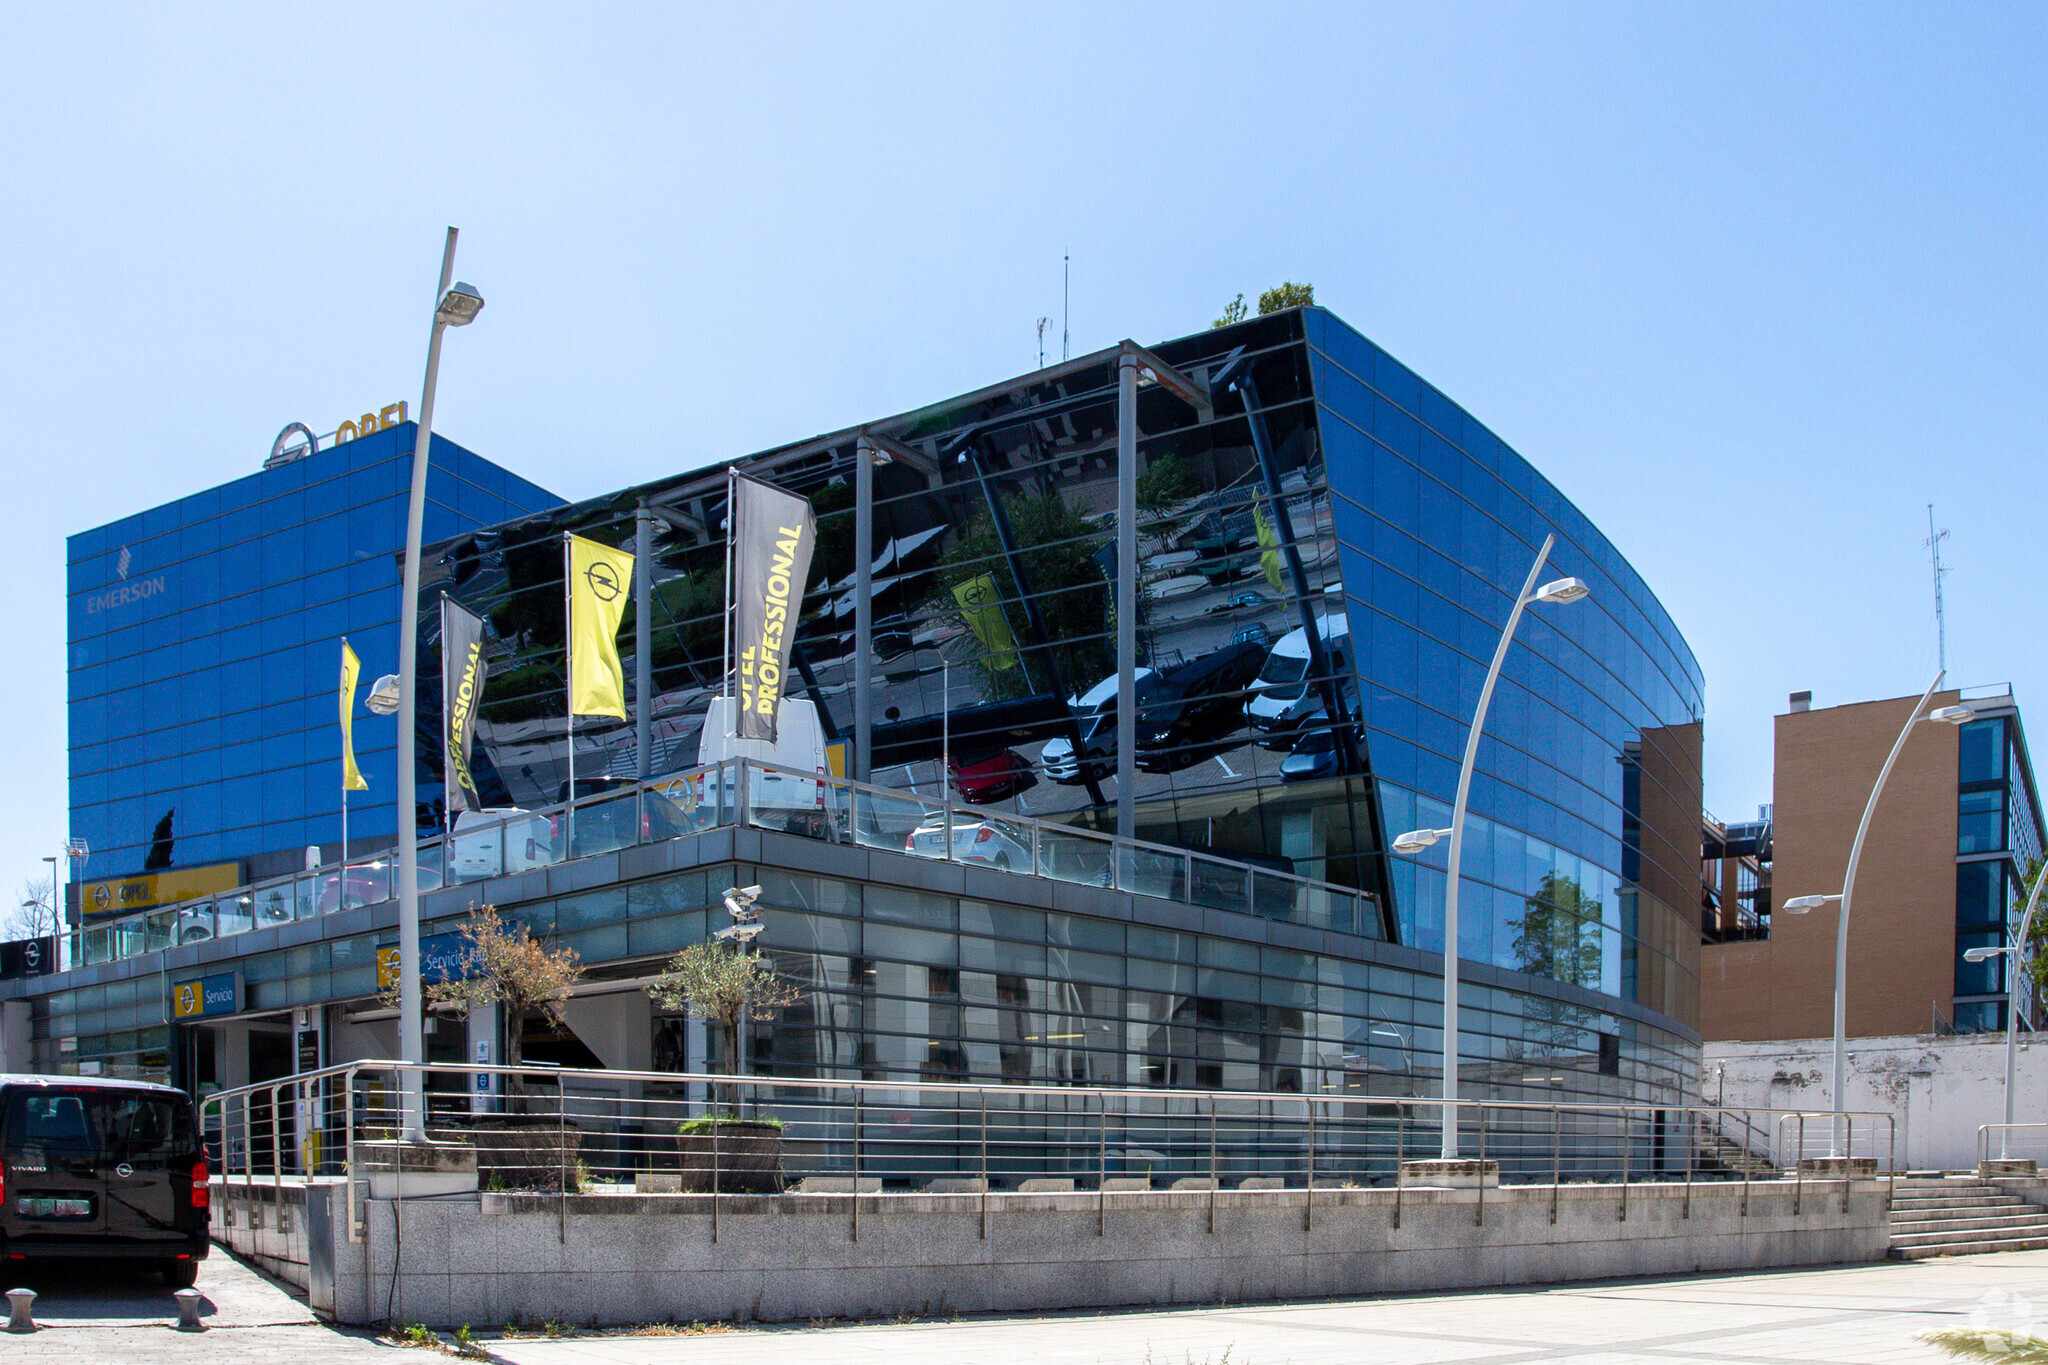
997,775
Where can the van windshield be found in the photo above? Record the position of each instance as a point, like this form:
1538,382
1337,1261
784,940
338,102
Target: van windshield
1281,678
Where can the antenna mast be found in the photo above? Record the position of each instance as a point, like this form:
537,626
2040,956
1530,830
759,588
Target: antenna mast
1933,543
1043,323
1066,297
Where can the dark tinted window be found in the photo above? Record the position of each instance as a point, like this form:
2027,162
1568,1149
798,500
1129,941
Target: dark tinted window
142,1126
49,1121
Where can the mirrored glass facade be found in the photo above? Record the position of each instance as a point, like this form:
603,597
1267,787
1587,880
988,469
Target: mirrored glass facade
1327,556
204,653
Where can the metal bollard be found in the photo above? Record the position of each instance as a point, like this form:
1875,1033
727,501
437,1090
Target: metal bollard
21,1310
188,1311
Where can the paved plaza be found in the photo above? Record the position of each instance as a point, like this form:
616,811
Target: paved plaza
1858,1315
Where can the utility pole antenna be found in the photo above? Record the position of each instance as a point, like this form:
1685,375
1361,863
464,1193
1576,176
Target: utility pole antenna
1066,298
1043,323
1933,542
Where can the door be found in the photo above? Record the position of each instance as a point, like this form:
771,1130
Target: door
53,1188
270,1059
148,1147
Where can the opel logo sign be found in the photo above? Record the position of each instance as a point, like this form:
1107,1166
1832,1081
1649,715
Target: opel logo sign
124,1170
101,897
602,580
33,953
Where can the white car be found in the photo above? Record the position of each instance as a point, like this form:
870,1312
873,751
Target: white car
976,839
495,843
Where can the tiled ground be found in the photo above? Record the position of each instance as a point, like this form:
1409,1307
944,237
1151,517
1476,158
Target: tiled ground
1859,1315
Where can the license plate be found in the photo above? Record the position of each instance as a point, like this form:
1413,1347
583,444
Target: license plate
54,1208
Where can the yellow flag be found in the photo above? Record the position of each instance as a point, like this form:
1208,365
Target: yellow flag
1269,546
351,780
599,580
981,607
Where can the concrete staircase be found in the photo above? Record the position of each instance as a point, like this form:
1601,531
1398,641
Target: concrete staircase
1715,1151
1959,1216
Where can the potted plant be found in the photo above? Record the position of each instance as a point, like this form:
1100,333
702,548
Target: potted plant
726,1151
502,963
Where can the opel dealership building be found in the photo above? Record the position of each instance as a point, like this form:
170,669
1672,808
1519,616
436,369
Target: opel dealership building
1326,549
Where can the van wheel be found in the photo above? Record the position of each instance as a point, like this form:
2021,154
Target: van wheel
181,1274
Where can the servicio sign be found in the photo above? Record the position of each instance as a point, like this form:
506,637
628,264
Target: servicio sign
207,996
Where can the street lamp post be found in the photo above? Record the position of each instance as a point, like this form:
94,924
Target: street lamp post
2017,951
746,926
1414,841
1799,905
454,306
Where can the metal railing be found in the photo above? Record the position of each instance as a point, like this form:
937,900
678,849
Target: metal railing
760,796
561,1131
2014,1142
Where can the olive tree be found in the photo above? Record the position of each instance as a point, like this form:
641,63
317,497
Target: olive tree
724,984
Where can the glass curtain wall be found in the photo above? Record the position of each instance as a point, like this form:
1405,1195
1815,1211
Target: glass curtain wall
205,648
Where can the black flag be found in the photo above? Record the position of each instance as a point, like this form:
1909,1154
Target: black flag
462,692
773,534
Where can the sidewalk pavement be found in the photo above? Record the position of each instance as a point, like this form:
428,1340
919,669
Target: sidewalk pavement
1852,1315
1857,1315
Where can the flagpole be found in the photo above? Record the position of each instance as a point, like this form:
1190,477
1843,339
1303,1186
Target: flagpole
341,899
569,659
725,649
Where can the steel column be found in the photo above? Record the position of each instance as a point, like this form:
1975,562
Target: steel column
1126,597
861,769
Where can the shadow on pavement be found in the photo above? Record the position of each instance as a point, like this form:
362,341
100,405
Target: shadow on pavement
93,1289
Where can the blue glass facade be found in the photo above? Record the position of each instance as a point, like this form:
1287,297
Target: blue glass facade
204,651
1334,492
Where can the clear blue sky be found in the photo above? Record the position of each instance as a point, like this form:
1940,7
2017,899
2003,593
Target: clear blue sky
1751,284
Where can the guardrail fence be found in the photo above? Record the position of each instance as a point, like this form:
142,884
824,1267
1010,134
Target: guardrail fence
563,1131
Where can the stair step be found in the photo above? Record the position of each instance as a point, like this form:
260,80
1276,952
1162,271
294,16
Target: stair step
1918,1226
1923,1239
1921,1253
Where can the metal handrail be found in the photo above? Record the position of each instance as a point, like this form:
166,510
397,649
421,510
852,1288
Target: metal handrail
2005,1132
730,801
1640,1125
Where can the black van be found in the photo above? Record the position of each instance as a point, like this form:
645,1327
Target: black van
106,1169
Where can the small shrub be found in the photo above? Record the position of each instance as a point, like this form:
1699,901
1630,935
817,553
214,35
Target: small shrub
691,1127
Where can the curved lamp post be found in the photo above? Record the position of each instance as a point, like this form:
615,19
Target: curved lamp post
1799,905
1559,591
455,306
2016,950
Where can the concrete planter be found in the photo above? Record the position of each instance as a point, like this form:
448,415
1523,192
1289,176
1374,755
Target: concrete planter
526,1156
735,1156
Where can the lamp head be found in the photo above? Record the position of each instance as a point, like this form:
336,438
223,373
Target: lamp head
1983,954
1562,590
1952,715
459,306
1416,840
1799,905
383,697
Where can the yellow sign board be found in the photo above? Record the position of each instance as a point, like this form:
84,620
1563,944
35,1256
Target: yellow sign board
387,967
119,895
189,1001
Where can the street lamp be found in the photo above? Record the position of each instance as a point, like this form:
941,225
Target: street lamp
1799,905
2016,949
454,307
1558,592
746,926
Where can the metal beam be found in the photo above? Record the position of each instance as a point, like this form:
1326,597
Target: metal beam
1193,392
862,766
1126,595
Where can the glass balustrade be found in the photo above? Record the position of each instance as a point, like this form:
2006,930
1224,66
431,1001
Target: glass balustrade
484,846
